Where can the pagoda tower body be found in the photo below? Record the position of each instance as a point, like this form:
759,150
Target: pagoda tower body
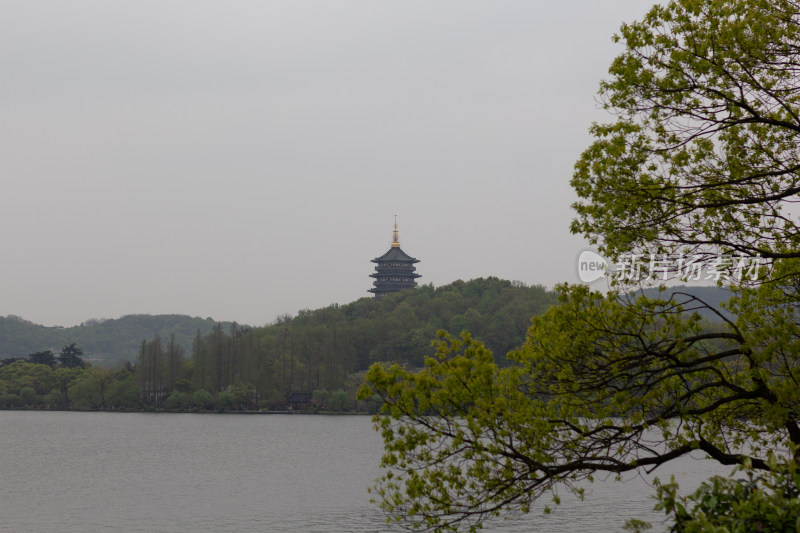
394,270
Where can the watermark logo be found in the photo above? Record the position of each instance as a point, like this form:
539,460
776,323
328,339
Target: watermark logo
591,267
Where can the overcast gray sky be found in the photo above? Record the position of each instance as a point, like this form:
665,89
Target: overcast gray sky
243,159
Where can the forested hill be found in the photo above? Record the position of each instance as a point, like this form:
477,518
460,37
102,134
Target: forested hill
107,341
397,327
400,326
323,348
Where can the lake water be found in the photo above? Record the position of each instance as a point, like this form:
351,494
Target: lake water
86,472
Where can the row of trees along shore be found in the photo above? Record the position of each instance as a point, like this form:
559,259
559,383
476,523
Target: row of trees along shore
323,352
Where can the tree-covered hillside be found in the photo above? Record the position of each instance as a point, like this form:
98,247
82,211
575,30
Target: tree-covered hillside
398,327
182,363
106,342
401,325
320,349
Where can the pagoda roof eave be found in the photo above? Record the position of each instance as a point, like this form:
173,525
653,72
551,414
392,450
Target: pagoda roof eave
395,254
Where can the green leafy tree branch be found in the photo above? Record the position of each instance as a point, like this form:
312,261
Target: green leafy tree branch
702,158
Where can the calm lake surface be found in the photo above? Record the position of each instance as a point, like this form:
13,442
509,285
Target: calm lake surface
85,472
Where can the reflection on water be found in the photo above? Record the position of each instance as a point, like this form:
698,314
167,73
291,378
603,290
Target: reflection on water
77,472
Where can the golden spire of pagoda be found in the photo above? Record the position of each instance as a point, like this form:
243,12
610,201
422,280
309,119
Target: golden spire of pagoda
395,240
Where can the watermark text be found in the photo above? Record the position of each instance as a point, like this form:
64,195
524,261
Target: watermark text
591,266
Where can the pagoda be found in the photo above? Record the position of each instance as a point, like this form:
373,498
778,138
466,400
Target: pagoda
394,270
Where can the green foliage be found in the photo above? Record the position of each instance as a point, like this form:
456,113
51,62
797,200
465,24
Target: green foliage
318,350
70,357
88,390
701,159
275,399
175,400
23,374
160,368
39,385
184,385
53,398
225,401
602,384
636,525
320,396
124,393
315,351
441,436
27,395
339,400
64,379
46,357
83,395
702,156
767,501
9,400
203,399
242,393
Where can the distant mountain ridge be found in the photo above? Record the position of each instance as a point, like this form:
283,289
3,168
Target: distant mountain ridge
712,295
107,341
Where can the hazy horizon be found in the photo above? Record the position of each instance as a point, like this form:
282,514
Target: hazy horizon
243,160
